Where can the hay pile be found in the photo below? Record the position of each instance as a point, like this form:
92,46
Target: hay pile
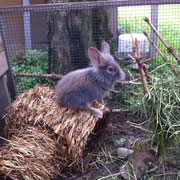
31,154
45,137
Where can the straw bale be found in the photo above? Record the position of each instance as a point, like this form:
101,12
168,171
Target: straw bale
32,154
47,135
38,107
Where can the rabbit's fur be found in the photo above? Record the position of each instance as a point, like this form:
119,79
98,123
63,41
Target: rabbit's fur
78,89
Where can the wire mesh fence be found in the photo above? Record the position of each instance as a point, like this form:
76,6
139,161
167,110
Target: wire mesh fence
54,38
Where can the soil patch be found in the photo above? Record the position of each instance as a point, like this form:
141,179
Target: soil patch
104,162
119,132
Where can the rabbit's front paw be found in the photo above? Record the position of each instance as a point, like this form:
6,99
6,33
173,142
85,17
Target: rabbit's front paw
98,113
94,111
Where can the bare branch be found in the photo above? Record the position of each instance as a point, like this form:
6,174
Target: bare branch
162,55
134,46
131,57
137,47
148,76
50,76
145,61
140,65
128,82
58,76
121,110
169,48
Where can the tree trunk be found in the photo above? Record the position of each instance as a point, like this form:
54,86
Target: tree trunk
71,33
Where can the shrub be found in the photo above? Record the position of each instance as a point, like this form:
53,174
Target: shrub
36,61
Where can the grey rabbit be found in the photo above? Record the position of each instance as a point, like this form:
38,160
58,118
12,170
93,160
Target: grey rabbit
78,89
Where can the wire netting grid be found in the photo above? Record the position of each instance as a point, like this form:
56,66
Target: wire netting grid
36,40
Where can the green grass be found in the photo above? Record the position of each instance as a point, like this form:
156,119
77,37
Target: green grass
168,26
161,105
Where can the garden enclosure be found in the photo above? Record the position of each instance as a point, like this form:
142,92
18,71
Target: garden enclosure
54,38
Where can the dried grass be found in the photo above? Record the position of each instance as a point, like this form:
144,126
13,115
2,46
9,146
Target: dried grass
32,154
44,136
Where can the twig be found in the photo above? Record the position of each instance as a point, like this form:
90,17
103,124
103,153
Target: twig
50,76
131,57
169,48
148,76
134,46
162,55
145,67
121,110
58,76
128,82
141,70
145,61
136,50
137,47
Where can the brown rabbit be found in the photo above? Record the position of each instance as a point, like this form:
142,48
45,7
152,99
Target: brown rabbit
78,89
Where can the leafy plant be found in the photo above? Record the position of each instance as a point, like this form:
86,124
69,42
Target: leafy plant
35,61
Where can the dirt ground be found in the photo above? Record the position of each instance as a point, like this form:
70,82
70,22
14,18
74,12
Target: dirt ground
105,163
104,159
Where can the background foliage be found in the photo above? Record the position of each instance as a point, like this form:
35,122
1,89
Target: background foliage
36,61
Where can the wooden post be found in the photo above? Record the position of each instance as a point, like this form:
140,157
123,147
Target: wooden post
154,20
4,95
5,102
9,73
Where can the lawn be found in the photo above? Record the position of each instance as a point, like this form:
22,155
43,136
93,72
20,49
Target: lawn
168,24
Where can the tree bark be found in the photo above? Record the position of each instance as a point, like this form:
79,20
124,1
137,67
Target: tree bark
71,33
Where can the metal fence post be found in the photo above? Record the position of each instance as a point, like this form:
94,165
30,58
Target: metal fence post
27,28
154,20
114,22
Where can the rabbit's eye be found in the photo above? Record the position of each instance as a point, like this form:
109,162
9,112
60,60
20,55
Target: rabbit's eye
111,69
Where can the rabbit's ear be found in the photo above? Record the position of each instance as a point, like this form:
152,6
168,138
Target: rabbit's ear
105,49
95,56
